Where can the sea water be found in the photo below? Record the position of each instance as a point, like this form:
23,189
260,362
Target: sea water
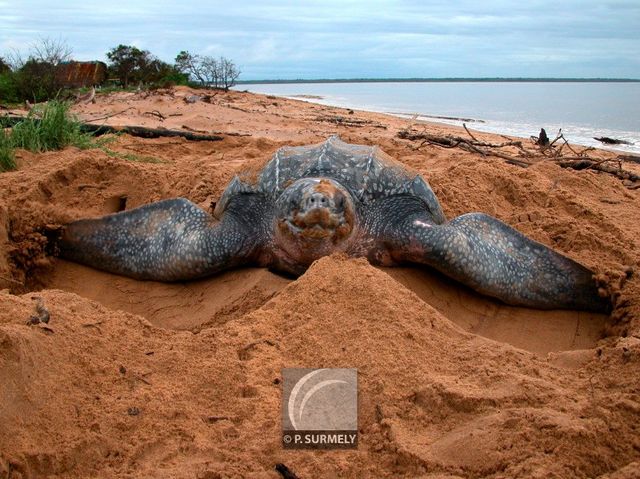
582,110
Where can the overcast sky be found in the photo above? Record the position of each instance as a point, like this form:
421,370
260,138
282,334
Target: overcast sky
348,39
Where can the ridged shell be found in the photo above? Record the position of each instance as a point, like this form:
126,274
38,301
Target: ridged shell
366,171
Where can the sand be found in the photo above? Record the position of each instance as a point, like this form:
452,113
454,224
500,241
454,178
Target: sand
141,379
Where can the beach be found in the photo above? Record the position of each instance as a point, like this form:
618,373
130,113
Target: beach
142,379
583,110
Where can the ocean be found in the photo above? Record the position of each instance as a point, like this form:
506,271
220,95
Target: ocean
582,110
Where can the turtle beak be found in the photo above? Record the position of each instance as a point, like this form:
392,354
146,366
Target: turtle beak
317,212
321,210
317,199
321,213
322,196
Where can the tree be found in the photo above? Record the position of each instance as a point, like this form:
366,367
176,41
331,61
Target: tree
8,87
191,65
45,50
36,81
127,62
4,66
221,73
229,73
211,69
130,65
35,77
161,73
50,51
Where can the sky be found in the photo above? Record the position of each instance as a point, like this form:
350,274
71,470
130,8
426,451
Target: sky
349,39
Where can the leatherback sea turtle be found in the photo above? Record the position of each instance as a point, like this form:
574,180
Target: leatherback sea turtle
311,201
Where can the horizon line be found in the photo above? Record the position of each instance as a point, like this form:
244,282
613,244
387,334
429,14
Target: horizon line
445,79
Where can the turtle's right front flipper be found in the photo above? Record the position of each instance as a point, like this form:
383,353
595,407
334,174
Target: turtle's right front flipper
170,240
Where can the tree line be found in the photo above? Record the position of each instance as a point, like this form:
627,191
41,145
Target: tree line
35,77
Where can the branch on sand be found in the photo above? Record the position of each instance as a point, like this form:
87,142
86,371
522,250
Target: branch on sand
229,133
472,146
139,131
541,149
156,113
110,116
285,472
350,122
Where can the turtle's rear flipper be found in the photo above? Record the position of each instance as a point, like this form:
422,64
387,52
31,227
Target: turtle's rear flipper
494,259
169,240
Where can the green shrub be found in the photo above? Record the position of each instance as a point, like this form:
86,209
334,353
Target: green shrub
8,88
55,130
175,78
46,129
36,81
7,156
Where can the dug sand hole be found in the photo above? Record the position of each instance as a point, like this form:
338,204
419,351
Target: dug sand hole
213,301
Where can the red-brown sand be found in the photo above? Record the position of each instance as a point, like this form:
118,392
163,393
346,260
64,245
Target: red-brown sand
142,379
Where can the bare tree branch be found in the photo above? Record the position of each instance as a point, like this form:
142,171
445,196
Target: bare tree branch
545,151
49,50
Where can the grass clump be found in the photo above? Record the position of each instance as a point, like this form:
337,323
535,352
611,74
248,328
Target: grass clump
7,155
46,129
54,130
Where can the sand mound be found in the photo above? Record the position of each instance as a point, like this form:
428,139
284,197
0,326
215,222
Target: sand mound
142,379
106,392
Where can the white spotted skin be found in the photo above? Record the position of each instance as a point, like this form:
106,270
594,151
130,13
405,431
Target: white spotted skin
170,240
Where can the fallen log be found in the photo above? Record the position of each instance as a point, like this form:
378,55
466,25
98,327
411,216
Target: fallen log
143,132
139,131
588,164
542,140
612,141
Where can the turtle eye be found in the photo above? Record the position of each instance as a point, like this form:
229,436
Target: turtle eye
339,201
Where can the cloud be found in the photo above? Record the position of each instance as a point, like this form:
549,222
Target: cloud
336,38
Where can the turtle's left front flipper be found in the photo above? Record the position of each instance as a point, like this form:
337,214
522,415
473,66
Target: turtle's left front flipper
170,240
495,259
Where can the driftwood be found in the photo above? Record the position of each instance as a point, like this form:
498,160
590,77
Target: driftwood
473,145
110,115
285,472
352,122
156,113
587,164
139,131
543,150
612,141
543,139
143,132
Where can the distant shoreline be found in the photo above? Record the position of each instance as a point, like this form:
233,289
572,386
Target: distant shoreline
582,109
444,80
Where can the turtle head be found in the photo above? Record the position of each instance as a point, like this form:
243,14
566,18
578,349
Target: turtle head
314,217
